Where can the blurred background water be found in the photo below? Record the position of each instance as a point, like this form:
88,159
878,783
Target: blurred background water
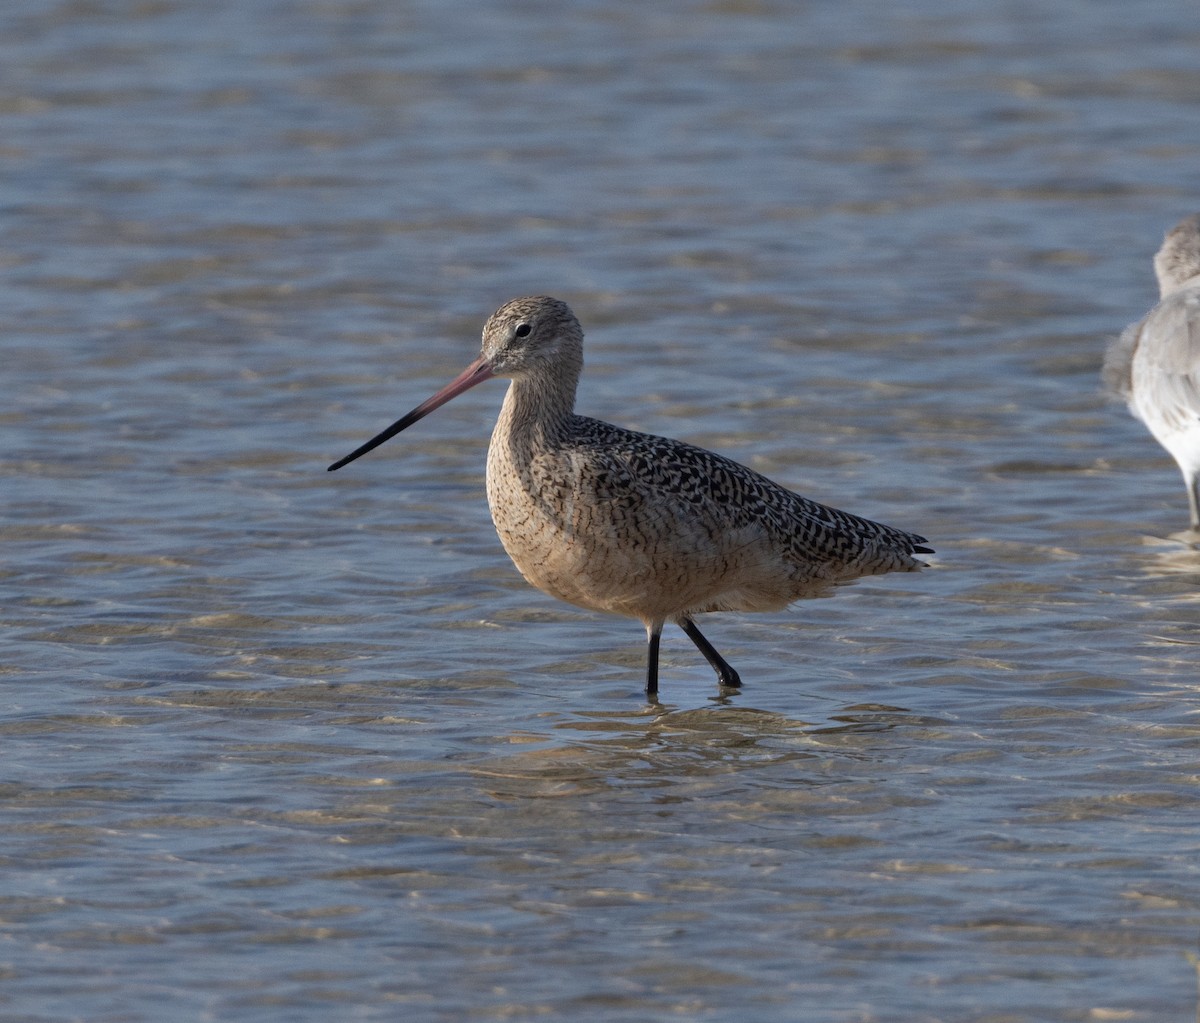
285,745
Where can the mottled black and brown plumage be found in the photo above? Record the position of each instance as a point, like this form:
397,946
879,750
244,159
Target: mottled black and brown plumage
643,526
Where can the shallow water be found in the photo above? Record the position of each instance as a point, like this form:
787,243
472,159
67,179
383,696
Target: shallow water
286,745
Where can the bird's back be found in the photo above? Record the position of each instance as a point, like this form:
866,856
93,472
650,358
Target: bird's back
1159,365
660,527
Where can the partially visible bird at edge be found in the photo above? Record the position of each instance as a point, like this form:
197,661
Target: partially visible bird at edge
1155,364
647,527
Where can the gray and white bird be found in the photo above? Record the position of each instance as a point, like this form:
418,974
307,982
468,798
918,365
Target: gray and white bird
1155,364
637,525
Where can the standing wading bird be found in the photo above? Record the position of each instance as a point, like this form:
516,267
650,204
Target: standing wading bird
1155,363
637,525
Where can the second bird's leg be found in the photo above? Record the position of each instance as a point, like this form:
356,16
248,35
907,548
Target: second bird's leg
653,634
726,676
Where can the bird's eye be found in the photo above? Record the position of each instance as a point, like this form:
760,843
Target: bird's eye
522,330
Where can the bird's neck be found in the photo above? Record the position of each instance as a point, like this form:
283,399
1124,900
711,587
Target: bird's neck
537,411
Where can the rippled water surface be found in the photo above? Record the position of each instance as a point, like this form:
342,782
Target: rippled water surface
286,745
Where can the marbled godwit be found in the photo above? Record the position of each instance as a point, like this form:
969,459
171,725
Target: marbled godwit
643,526
1155,363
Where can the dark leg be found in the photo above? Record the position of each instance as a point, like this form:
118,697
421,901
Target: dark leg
653,634
726,676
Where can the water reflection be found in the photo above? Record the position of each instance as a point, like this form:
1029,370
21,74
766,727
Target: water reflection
657,745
